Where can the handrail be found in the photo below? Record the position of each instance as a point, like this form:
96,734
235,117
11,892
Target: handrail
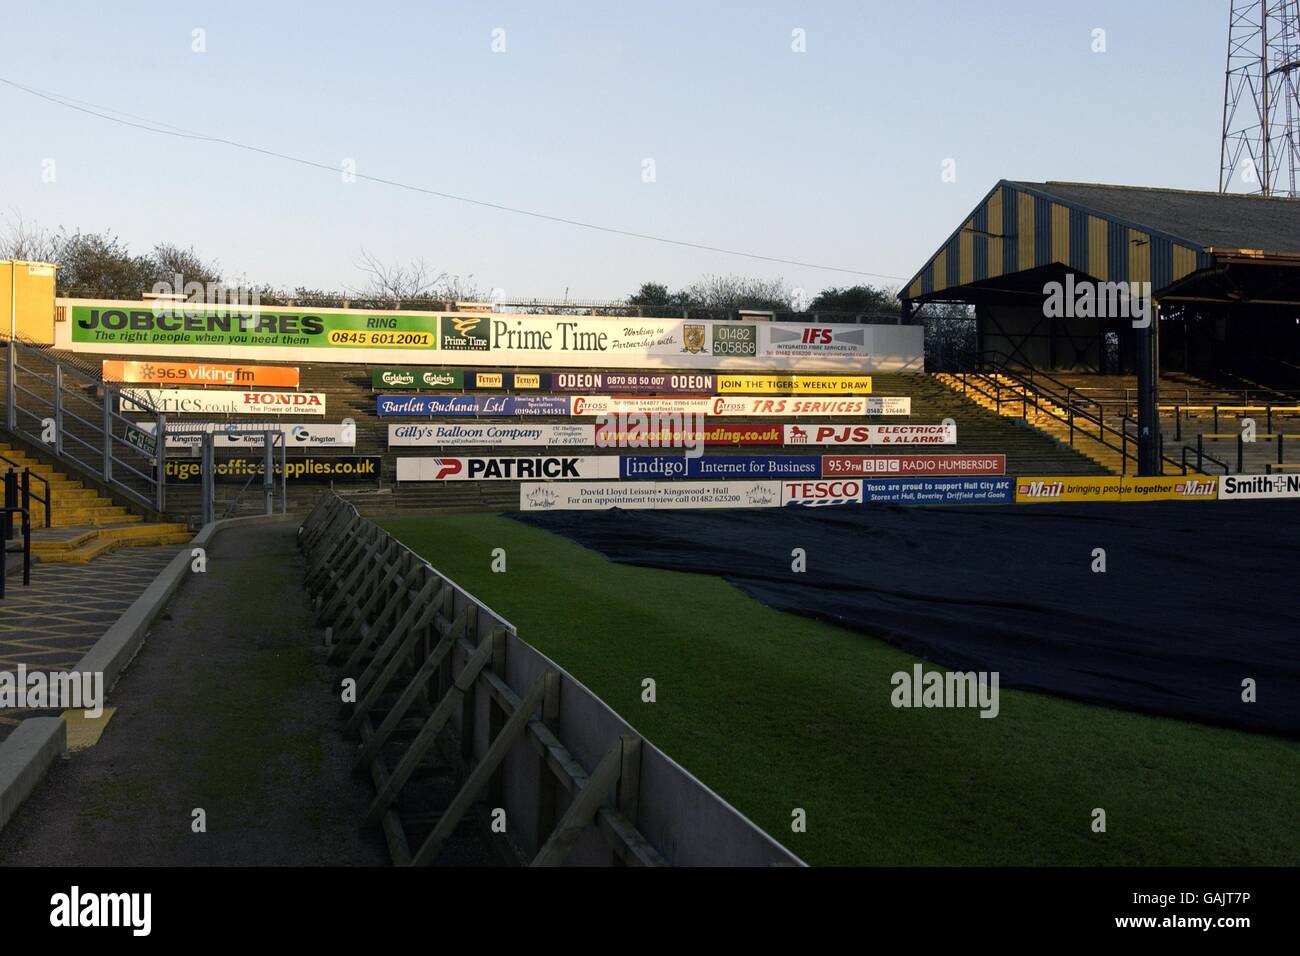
8,513
1201,455
1128,394
89,432
232,505
28,474
1240,439
1071,402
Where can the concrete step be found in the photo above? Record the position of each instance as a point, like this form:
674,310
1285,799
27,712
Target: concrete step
76,517
80,548
1040,420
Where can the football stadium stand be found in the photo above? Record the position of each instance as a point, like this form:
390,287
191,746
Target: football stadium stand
350,396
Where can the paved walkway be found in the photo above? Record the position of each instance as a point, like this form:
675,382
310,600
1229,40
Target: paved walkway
227,709
49,625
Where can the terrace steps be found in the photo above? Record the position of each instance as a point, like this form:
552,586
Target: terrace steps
79,548
1019,403
350,396
72,504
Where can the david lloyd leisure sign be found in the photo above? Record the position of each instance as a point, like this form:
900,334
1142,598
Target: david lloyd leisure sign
492,339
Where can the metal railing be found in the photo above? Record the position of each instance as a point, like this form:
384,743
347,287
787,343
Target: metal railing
1048,395
272,438
1206,396
28,494
9,512
1240,440
76,416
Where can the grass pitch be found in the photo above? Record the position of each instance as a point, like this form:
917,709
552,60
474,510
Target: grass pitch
776,711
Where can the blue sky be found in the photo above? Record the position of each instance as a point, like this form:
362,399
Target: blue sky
831,156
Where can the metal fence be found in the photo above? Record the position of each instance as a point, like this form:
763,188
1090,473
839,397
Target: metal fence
449,701
76,416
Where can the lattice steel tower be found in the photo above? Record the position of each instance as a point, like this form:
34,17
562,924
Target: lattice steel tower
1261,99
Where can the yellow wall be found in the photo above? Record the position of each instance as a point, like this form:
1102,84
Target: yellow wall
34,300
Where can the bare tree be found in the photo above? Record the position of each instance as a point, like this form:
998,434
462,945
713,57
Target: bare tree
727,293
396,283
170,260
414,281
456,288
27,241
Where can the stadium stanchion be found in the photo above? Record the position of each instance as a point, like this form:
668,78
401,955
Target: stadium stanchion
372,539
11,502
407,595
348,628
393,650
333,546
398,584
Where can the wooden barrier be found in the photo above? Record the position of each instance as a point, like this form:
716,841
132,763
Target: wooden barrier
431,702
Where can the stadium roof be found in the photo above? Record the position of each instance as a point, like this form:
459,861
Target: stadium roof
1208,219
1111,233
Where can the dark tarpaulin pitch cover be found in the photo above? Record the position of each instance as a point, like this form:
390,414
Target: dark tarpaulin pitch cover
1195,598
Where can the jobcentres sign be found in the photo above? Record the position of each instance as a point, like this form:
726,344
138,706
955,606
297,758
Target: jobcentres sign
472,339
185,324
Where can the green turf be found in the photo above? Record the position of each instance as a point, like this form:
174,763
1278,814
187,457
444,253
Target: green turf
776,711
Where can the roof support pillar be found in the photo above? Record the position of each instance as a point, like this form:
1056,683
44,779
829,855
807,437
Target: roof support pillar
1150,461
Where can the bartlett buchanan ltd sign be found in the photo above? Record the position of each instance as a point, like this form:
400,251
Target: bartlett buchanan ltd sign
499,338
